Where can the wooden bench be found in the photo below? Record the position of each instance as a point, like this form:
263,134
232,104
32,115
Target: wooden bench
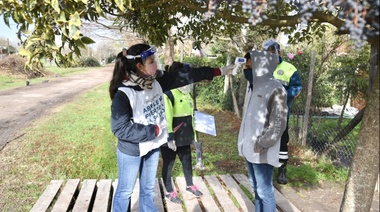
220,193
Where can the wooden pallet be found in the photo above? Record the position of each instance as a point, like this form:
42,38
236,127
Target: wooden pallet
220,193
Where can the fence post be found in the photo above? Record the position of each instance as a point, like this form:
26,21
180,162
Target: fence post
308,99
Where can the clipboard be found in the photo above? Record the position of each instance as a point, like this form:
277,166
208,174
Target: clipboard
204,123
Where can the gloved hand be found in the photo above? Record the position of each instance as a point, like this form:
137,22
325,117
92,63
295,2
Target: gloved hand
172,146
175,66
230,69
160,124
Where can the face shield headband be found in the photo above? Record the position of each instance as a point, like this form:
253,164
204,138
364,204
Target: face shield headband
144,55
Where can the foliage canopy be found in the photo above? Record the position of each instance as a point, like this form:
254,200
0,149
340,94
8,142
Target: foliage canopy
42,23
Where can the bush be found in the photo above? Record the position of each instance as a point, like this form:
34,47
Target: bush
89,62
15,65
110,59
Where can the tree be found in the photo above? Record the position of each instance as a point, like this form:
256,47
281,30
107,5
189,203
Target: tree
40,22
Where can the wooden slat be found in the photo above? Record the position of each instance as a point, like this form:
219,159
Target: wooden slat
114,186
100,199
222,196
172,207
243,180
158,197
283,203
207,200
85,196
245,203
135,196
103,196
66,196
47,196
189,200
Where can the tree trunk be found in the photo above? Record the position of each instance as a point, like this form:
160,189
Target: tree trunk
308,100
169,52
226,78
345,131
364,171
234,100
349,127
344,108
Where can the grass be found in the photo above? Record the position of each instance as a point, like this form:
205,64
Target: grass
76,142
12,81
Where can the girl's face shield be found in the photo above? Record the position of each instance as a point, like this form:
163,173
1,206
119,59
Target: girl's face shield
144,55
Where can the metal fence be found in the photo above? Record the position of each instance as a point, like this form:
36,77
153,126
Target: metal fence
322,137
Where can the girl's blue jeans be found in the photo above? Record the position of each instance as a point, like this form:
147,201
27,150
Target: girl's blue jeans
128,169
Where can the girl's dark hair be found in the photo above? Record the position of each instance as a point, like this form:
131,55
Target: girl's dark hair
123,65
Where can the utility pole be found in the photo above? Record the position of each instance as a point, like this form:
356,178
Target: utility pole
8,46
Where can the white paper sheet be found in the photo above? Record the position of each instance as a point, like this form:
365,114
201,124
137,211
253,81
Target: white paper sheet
204,123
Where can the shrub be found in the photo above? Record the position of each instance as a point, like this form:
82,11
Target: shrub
89,62
110,59
15,65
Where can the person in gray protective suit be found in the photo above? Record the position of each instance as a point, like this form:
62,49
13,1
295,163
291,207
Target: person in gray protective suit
264,121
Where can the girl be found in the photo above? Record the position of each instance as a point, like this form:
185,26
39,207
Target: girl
138,118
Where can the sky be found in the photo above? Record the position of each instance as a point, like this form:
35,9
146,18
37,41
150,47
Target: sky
8,33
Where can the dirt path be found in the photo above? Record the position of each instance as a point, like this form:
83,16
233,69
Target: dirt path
21,106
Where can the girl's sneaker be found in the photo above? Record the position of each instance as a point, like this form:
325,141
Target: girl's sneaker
194,190
173,197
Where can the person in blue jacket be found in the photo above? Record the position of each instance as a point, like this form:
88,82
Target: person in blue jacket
289,77
138,118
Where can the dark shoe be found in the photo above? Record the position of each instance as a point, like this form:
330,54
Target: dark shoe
281,179
194,190
173,197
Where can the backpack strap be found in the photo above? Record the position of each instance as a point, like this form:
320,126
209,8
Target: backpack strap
170,95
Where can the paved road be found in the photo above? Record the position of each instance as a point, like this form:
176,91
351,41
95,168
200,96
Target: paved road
21,106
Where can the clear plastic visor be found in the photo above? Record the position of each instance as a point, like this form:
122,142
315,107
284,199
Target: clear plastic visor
144,55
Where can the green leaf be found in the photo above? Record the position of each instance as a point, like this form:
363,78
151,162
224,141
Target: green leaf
55,5
87,40
34,38
98,8
24,52
120,4
62,18
74,32
75,20
52,45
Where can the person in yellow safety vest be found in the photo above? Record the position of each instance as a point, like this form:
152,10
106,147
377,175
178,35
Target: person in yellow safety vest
288,75
179,111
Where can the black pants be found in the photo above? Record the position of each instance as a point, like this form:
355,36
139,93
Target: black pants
168,159
284,145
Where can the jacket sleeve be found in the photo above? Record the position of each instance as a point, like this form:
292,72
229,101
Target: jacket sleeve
169,116
178,78
295,86
122,125
278,110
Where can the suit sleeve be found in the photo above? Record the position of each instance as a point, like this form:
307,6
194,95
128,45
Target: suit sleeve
278,110
295,86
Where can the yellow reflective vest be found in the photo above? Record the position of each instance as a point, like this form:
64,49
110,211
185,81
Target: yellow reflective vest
179,110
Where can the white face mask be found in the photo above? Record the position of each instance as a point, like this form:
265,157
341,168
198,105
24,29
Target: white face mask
186,89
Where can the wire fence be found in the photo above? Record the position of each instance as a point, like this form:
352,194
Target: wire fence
324,138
